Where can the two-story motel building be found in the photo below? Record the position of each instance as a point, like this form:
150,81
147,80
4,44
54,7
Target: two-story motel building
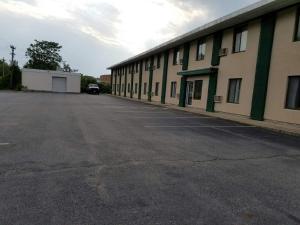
246,63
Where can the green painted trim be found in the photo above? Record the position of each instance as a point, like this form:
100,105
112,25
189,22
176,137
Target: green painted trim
131,88
164,78
175,51
125,88
201,72
212,90
116,77
186,56
182,97
140,80
150,79
120,84
111,80
297,25
263,67
217,45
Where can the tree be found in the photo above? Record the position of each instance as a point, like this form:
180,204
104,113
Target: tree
43,55
66,67
86,80
16,79
4,80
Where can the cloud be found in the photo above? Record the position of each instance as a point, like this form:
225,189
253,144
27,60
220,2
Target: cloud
130,24
97,28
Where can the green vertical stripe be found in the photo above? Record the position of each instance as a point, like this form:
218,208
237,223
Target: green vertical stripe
111,80
185,66
186,55
140,80
125,85
116,83
182,91
212,90
120,86
164,78
217,45
263,67
150,79
131,84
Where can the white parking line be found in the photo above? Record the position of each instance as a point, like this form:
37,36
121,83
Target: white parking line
195,126
3,144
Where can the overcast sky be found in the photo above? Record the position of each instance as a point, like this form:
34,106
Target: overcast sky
98,33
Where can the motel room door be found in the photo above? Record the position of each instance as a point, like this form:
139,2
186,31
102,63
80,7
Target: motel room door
189,92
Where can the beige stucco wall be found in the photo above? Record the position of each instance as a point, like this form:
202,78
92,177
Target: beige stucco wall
41,80
157,77
238,65
172,76
201,104
195,64
285,62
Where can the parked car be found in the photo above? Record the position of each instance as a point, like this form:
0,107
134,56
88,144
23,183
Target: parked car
93,89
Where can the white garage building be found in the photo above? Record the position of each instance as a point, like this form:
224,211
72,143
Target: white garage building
52,81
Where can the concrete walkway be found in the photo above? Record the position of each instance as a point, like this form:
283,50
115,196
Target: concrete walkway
286,128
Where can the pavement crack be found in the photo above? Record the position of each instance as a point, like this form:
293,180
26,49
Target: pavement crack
23,169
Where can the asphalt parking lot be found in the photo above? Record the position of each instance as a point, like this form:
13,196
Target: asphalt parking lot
85,160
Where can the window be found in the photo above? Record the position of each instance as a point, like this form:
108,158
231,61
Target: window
145,88
128,89
234,91
146,65
135,88
240,40
293,93
176,57
158,61
173,89
156,88
198,89
137,67
297,29
201,49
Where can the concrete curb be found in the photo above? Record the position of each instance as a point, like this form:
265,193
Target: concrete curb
279,127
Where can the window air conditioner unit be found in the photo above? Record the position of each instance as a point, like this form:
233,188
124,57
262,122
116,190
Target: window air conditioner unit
223,52
218,99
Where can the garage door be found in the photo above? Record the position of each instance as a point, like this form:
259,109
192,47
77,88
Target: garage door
59,84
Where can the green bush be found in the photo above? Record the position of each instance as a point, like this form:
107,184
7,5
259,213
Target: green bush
105,88
85,81
4,82
12,76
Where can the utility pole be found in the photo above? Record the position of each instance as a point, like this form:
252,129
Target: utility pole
13,48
